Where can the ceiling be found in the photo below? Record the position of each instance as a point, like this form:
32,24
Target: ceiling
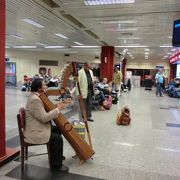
145,23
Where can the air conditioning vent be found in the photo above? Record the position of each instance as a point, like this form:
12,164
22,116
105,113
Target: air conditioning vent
48,63
92,34
73,20
51,3
127,34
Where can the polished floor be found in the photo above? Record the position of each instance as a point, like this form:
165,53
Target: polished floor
148,149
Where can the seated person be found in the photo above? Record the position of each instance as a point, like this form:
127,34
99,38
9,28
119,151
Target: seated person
99,96
104,86
38,129
53,82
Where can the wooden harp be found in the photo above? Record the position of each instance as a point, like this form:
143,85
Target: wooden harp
83,150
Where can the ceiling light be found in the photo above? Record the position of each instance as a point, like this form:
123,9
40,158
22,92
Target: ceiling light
164,46
146,49
126,38
85,46
61,35
53,47
78,43
119,22
169,53
165,56
30,21
107,2
41,44
16,36
132,46
173,49
146,53
117,29
25,47
170,37
7,47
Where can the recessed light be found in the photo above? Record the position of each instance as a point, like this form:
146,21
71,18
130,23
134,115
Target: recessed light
53,47
85,46
16,36
164,46
119,22
78,43
119,29
61,35
127,38
107,2
132,46
30,21
41,44
25,47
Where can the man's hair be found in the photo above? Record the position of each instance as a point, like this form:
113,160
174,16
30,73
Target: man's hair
36,85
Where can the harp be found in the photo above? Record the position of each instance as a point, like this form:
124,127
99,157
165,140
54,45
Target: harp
83,150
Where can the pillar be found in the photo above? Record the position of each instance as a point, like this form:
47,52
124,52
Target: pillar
107,62
6,154
2,79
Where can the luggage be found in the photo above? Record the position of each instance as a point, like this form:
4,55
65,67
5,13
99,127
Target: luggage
123,116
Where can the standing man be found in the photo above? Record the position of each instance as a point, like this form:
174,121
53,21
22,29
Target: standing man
117,80
159,82
86,86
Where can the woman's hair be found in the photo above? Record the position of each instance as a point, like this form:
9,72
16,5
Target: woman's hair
36,85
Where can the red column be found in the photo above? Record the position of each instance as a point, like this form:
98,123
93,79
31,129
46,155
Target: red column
172,71
123,68
6,154
107,62
2,79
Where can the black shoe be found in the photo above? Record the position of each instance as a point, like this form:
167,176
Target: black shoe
63,169
89,119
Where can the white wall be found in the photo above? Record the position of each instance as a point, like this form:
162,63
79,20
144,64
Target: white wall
149,64
27,62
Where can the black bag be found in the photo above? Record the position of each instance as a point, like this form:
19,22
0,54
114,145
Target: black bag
114,99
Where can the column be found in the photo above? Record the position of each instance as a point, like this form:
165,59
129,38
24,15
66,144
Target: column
107,62
2,79
6,154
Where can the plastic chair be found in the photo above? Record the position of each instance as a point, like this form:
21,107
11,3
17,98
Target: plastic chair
24,145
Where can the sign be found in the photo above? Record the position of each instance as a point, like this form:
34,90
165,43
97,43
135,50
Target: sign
159,67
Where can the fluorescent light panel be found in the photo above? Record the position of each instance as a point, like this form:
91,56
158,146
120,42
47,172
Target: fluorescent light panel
16,36
30,21
85,46
61,35
41,44
107,2
119,22
125,29
25,47
53,47
164,46
78,43
127,38
133,46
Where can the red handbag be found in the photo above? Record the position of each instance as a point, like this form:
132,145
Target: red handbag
123,116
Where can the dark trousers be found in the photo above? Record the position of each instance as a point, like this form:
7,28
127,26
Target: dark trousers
56,147
88,104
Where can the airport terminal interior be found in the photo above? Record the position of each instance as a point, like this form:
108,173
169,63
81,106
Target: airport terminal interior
124,55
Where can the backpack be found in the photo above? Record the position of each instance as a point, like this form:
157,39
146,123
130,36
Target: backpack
123,116
109,103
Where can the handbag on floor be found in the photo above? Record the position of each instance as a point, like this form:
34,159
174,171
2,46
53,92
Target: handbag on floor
123,116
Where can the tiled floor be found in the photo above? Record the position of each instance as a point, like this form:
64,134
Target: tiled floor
147,149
